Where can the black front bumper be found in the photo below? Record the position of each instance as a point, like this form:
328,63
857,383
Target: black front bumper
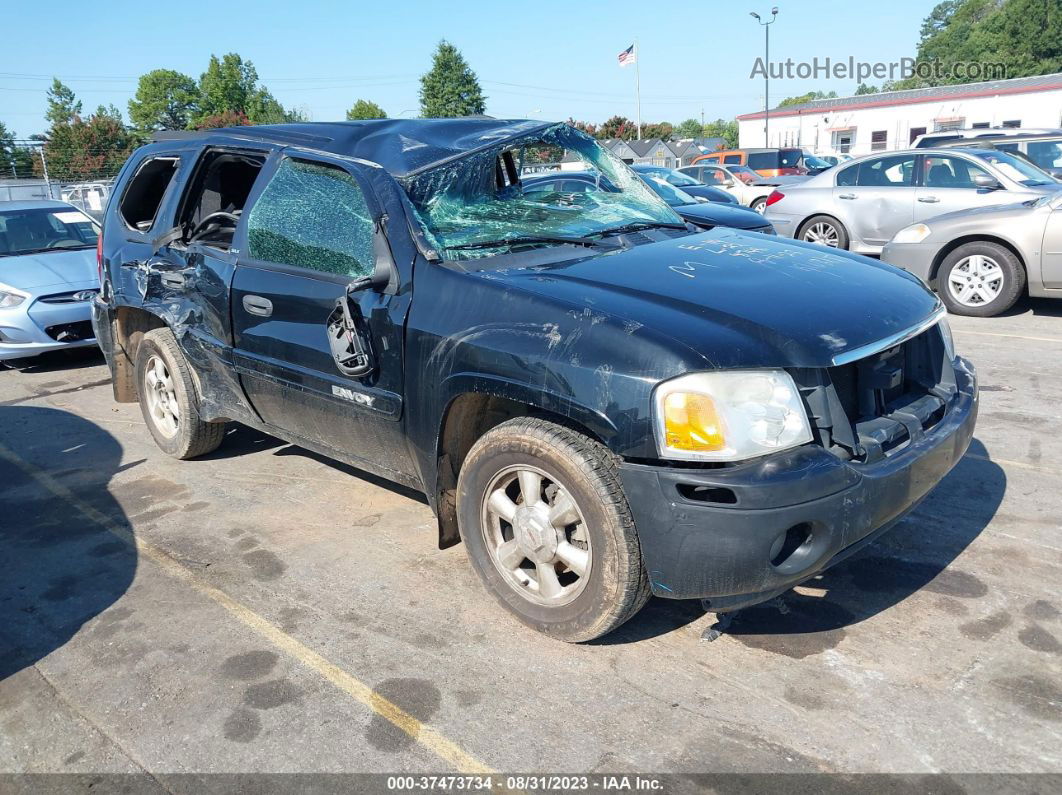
712,534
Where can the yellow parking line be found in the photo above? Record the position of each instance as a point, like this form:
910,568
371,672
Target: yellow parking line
430,738
1010,336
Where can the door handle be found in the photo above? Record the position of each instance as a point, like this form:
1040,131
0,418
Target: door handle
928,199
847,196
257,305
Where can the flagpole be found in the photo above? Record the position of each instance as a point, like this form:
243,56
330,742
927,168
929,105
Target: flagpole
638,85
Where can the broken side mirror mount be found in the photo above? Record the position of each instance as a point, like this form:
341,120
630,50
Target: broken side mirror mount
348,338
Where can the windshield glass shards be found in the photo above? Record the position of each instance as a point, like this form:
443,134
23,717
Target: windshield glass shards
480,206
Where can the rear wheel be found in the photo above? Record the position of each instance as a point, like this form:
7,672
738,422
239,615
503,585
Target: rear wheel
825,231
980,279
168,399
548,530
759,204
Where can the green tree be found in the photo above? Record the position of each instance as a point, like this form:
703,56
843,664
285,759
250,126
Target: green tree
228,84
727,130
690,128
165,100
15,160
63,106
92,149
364,109
811,96
863,88
450,88
229,118
662,130
582,126
1024,37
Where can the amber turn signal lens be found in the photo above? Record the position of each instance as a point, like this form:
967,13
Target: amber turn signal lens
692,423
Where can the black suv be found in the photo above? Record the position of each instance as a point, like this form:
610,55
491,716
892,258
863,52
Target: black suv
601,401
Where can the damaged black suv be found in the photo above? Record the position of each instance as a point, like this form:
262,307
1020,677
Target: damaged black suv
601,401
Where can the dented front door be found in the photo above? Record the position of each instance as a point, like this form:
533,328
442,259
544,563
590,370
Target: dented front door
307,234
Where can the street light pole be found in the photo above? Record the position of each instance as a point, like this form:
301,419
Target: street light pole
767,70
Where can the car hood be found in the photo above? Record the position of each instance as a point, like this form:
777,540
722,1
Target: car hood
708,192
716,213
52,269
741,300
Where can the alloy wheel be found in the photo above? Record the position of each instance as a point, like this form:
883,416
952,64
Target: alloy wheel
975,280
536,535
822,233
161,397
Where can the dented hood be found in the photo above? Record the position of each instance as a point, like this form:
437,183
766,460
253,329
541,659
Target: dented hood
743,300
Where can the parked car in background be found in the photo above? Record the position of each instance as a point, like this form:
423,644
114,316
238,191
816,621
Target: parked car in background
835,160
700,212
981,261
1044,151
48,277
790,161
600,402
860,205
694,187
744,184
943,137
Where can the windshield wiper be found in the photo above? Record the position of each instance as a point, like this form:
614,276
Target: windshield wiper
638,225
522,240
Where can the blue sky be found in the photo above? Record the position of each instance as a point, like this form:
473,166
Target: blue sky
548,60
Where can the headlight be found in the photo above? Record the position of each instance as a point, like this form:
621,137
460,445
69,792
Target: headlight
10,297
949,341
915,233
729,415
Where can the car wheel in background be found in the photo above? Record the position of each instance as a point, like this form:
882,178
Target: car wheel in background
759,204
980,279
168,399
825,231
548,530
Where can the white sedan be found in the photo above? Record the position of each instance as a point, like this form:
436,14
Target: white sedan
744,184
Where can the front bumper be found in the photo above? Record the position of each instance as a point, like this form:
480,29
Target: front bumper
916,258
31,329
720,546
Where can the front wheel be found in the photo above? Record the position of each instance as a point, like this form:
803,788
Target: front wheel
547,527
825,231
980,279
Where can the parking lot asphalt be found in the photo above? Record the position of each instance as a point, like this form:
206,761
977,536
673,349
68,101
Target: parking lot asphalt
263,609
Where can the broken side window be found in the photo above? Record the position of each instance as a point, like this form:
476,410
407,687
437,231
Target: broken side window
313,216
211,207
143,195
490,195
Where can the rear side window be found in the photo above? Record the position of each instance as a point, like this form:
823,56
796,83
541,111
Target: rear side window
896,171
312,216
143,195
763,160
732,159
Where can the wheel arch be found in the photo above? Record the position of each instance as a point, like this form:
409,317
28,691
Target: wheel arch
800,227
473,408
130,324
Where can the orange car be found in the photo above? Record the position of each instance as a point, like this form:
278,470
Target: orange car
768,162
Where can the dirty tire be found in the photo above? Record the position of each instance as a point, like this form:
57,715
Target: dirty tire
992,254
824,228
193,437
759,204
617,586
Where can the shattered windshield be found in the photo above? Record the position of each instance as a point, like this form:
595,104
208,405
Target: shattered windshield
476,206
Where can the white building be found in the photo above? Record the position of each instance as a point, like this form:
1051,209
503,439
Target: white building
892,120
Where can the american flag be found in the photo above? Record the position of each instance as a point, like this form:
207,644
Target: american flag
627,57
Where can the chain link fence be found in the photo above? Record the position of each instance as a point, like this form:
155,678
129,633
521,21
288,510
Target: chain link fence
83,178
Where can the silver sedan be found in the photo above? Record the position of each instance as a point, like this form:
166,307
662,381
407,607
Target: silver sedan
980,261
860,205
